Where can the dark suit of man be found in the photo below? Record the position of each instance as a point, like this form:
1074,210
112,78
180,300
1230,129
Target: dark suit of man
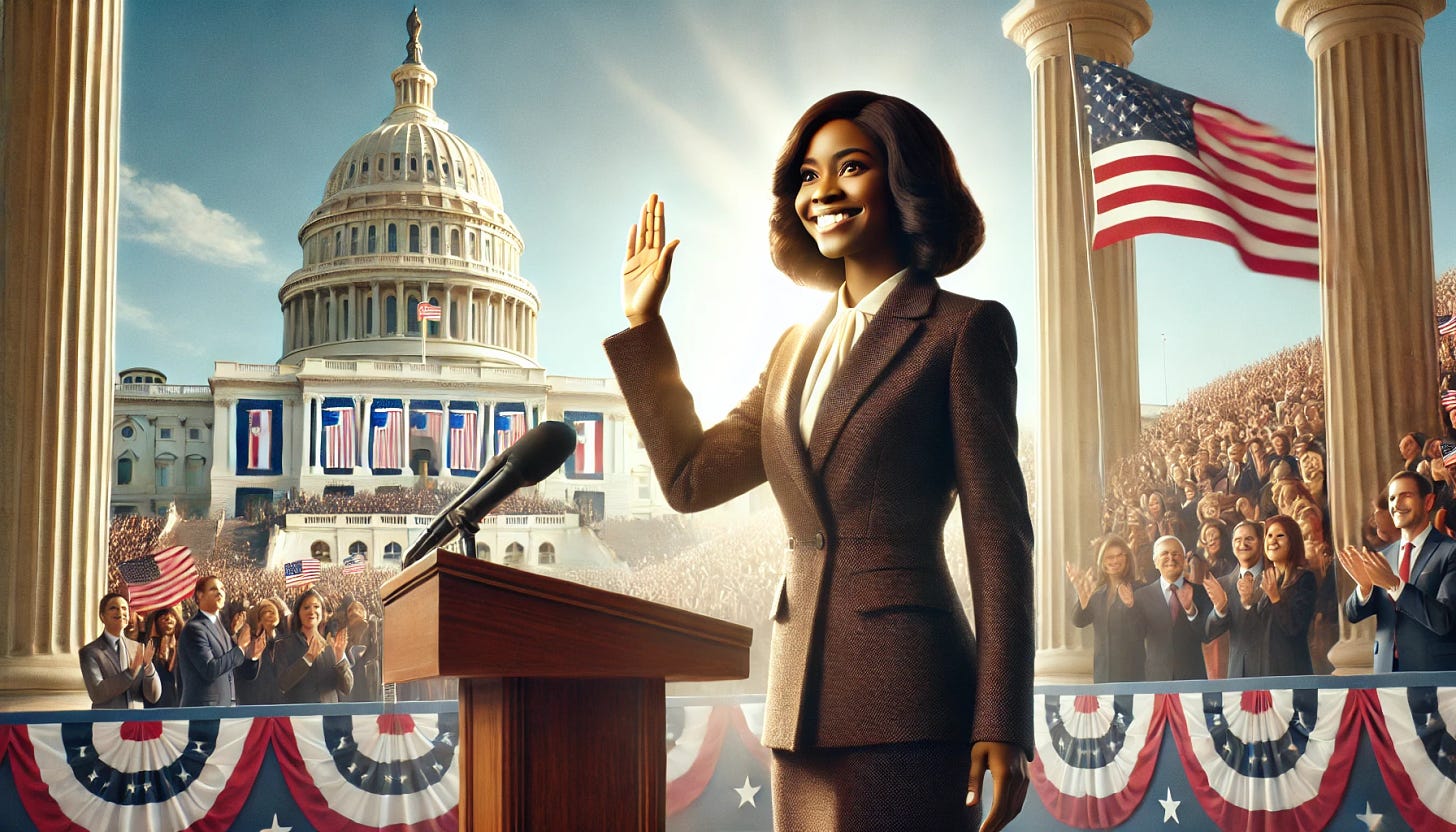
1248,629
206,660
1174,643
109,680
1421,623
870,644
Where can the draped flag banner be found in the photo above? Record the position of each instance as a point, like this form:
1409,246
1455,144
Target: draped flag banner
510,425
387,423
1166,162
259,439
160,579
1094,755
339,433
464,441
586,462
427,421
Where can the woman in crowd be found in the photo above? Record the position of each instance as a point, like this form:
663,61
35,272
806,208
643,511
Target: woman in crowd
1213,558
1104,602
364,654
313,667
262,620
1290,595
1312,469
162,627
1410,450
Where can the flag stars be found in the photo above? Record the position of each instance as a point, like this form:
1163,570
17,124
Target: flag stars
183,775
1170,808
91,778
747,793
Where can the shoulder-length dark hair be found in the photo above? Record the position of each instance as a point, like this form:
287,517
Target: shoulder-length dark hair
296,623
1297,557
940,227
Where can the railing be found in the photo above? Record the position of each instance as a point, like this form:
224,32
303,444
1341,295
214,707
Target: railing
168,390
540,521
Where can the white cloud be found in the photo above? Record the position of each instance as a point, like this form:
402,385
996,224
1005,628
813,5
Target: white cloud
174,218
141,318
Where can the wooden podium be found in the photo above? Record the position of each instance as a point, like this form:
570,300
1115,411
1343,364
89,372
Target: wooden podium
563,714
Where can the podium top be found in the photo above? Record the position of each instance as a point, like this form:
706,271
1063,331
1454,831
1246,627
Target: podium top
449,615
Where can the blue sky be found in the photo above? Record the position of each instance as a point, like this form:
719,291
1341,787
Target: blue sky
234,114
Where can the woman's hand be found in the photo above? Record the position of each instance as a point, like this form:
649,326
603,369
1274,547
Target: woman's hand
316,645
1271,585
340,643
646,271
1006,764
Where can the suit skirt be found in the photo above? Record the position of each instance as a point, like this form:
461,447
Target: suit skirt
874,788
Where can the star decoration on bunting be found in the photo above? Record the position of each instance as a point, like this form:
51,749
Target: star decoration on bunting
275,827
1369,818
1170,808
747,793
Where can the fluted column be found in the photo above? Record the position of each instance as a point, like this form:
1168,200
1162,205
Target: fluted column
59,95
1376,270
1068,463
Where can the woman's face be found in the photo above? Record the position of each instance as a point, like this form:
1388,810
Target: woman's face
1114,562
844,194
1407,447
1212,543
311,613
1155,504
268,617
1433,448
166,624
1276,543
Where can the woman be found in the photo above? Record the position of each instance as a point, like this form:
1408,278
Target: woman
363,653
262,620
1324,630
312,667
1312,469
1213,558
1104,602
1410,450
162,627
1289,599
873,669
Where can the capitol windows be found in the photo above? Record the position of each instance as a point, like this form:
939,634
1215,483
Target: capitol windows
357,549
515,553
194,434
429,167
164,433
546,554
164,470
474,249
435,325
445,169
391,315
373,239
320,551
196,473
128,432
351,172
379,164
454,242
414,165
354,241
392,238
414,239
369,315
434,239
338,242
364,168
392,551
412,310
123,470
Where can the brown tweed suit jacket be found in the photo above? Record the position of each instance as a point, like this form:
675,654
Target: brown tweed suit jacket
870,644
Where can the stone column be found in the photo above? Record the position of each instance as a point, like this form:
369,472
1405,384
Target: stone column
1376,270
1068,464
59,94
303,402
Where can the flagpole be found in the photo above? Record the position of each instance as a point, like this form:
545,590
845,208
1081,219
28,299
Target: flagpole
423,328
1084,164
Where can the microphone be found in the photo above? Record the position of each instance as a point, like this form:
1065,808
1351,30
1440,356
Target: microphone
542,450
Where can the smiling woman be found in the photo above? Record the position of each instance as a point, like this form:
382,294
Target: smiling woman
884,710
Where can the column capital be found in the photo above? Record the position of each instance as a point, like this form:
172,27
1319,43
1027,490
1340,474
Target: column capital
1325,23
1104,29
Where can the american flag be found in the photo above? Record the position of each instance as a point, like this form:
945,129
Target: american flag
1164,161
586,461
386,424
1446,324
160,579
338,437
355,563
429,312
1448,452
1448,399
509,428
464,447
427,423
301,572
260,439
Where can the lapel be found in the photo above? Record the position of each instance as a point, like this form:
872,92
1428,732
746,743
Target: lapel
1423,557
884,337
784,411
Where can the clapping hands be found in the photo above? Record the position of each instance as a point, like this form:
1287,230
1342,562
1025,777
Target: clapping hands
1216,594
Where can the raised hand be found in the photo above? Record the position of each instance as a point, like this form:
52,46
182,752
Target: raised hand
1246,589
136,661
1216,594
316,645
647,269
1353,563
244,637
1124,593
340,643
259,643
1378,570
1271,586
1185,597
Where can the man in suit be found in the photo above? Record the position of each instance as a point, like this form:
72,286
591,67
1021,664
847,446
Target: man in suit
1410,587
1235,599
1242,479
207,655
1170,613
118,671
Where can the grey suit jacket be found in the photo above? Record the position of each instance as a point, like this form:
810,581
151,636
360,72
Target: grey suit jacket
870,643
1422,622
110,683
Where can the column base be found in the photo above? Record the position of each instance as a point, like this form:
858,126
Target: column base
1353,656
42,683
1063,666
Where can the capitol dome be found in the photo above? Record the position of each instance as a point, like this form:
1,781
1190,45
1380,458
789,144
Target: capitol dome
411,213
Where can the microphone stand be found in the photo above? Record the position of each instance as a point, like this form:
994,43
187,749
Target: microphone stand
467,528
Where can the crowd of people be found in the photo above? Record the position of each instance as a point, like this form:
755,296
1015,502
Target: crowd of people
427,501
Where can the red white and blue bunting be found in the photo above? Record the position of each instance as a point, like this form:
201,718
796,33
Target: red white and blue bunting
1411,733
1097,751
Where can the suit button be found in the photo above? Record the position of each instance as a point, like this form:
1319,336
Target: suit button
819,540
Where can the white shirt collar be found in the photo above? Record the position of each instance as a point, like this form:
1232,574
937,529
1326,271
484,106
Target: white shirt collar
870,303
1418,541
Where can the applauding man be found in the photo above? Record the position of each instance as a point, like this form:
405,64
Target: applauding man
1236,611
118,671
1410,587
1170,613
208,655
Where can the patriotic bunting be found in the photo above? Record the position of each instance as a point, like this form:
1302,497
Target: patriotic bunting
387,422
464,445
1411,731
339,433
1095,756
510,425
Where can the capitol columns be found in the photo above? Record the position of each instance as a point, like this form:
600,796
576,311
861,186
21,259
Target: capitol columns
1376,270
1068,463
60,65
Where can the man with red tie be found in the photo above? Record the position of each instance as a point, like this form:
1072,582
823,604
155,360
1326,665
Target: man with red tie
1410,587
